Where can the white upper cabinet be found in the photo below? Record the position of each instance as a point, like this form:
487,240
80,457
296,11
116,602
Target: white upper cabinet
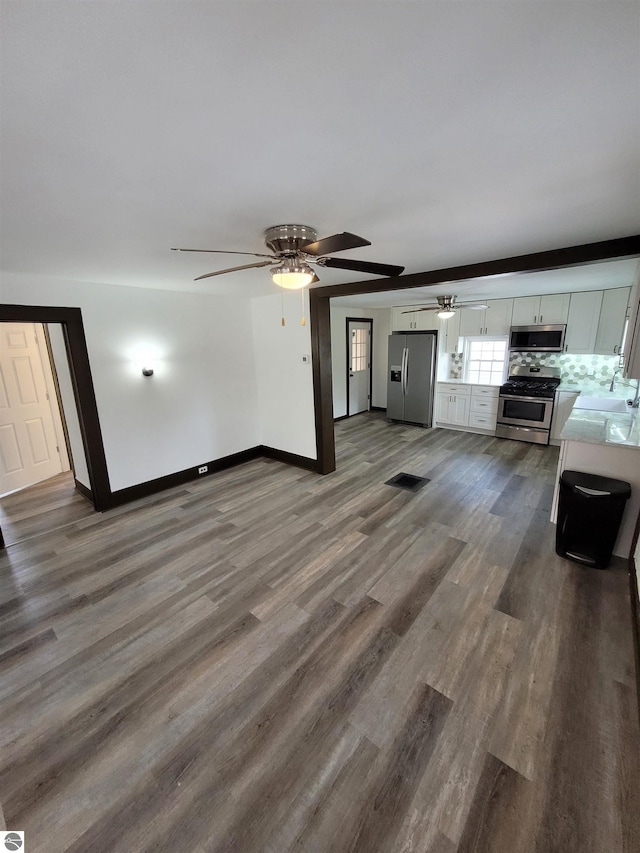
534,310
471,322
525,310
632,339
582,324
450,333
428,321
495,320
401,322
612,319
425,321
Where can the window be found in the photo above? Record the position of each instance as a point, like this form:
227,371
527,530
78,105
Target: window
485,359
359,349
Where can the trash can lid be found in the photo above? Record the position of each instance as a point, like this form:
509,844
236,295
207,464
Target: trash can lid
618,489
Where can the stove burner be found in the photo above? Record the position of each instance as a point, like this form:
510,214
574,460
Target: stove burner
543,387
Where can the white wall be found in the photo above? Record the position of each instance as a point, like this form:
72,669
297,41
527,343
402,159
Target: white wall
285,384
381,330
200,405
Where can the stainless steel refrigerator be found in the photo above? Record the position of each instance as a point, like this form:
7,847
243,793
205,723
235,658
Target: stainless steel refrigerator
411,377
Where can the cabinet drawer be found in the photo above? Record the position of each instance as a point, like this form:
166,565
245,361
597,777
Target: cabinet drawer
485,391
488,405
483,421
443,388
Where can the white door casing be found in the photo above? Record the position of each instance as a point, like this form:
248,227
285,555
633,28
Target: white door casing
359,365
28,446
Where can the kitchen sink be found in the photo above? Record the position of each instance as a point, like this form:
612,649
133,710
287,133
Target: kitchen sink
601,404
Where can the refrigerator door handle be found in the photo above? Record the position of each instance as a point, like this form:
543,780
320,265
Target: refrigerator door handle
405,359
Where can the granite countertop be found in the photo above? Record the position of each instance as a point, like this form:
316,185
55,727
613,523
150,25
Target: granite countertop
612,429
466,382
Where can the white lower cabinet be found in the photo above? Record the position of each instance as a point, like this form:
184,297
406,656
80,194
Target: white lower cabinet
452,408
482,421
472,406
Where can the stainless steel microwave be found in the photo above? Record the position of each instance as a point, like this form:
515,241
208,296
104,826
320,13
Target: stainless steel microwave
549,338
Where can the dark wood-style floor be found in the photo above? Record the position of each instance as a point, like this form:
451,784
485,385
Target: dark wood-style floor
268,660
43,508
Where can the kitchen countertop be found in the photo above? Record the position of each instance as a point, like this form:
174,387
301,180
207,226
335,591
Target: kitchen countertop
611,429
466,382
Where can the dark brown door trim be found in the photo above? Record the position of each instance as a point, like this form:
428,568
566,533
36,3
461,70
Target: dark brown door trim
319,312
73,330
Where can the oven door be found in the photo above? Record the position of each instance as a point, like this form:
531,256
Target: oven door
525,411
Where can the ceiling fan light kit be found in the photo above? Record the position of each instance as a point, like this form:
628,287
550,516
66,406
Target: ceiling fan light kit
447,307
294,247
292,276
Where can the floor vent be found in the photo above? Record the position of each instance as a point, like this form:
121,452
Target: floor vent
407,481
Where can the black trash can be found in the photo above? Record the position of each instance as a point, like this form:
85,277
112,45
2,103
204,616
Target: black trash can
589,514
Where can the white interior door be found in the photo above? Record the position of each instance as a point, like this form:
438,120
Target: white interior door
359,358
29,449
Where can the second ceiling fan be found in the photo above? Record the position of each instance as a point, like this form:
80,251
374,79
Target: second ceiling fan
294,248
447,307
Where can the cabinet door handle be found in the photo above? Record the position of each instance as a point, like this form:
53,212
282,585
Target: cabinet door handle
615,349
541,318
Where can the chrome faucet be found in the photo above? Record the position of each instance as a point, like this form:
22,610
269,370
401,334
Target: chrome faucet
616,371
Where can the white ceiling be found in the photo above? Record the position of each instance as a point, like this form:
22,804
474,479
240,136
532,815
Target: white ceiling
445,133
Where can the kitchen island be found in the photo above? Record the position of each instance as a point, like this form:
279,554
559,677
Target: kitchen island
606,442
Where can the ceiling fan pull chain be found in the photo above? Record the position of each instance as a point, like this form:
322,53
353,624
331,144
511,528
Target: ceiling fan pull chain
303,322
282,322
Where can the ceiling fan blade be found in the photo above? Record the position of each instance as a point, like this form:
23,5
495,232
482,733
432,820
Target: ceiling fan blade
415,310
336,243
235,269
225,252
476,306
362,266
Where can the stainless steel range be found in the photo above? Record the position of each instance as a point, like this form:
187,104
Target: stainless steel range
525,404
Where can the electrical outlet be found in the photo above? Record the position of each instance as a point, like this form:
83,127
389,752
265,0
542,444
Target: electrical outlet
203,469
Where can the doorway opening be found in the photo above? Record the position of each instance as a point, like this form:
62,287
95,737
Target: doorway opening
358,363
79,403
42,482
33,432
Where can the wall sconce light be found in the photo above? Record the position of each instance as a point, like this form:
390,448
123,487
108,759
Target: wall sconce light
147,371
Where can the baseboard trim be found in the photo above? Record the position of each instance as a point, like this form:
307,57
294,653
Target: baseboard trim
290,458
84,490
188,475
371,409
152,487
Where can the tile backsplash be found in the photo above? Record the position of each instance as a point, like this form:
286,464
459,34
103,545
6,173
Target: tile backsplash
456,363
585,372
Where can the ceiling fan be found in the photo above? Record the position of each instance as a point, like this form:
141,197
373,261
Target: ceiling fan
294,248
447,307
